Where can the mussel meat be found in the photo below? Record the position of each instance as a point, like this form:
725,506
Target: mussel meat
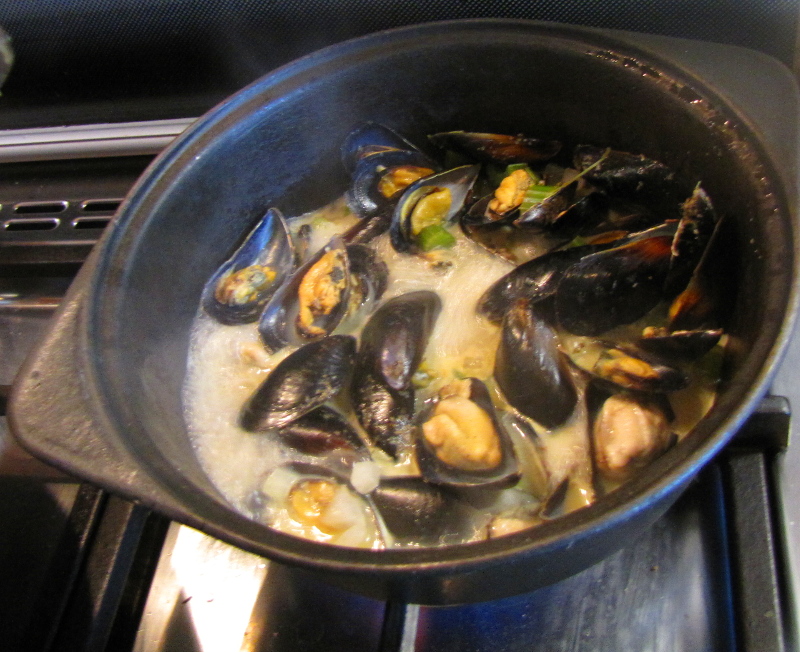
633,369
312,501
460,441
321,293
629,433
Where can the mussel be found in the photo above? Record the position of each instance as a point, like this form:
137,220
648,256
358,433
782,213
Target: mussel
461,443
368,139
632,176
320,432
534,281
695,229
428,207
392,345
382,164
679,345
628,433
627,367
302,381
319,295
497,148
241,287
417,512
320,504
613,287
530,369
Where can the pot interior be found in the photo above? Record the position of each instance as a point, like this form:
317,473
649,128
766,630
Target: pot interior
277,144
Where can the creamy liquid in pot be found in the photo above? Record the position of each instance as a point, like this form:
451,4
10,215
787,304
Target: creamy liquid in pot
228,363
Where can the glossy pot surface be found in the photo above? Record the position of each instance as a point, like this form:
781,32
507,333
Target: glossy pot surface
125,331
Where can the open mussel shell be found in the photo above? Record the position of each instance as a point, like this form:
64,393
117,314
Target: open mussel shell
546,213
695,230
323,502
613,287
406,221
379,176
679,345
531,371
392,345
460,442
312,302
497,148
629,431
369,139
628,367
418,512
301,382
385,414
565,215
369,228
370,277
241,287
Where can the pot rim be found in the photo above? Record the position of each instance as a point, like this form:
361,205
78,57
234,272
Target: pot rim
635,496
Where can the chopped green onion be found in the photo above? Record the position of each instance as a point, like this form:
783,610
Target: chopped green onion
435,236
577,241
535,195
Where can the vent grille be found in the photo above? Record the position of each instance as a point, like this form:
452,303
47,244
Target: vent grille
25,219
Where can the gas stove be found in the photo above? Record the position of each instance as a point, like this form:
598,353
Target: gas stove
90,571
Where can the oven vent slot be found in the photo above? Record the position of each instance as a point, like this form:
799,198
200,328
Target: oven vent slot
100,206
90,222
35,224
40,208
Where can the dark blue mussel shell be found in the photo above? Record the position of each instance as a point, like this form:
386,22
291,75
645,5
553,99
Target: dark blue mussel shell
268,245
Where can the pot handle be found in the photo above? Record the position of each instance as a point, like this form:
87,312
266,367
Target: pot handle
53,417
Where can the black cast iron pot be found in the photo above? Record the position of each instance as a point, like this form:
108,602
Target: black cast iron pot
102,397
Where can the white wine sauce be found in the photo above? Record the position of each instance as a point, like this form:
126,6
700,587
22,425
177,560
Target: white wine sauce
228,363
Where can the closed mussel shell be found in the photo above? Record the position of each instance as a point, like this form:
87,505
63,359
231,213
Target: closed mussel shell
421,513
531,371
392,345
241,287
302,381
613,287
320,432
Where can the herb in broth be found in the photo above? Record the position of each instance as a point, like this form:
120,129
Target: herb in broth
448,354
